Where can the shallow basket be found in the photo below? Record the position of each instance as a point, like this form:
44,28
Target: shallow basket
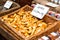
14,7
18,36
53,29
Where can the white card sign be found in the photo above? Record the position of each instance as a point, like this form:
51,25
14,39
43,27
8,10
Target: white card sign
52,4
40,11
8,4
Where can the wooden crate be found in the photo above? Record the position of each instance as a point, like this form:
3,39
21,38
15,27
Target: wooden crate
14,7
46,19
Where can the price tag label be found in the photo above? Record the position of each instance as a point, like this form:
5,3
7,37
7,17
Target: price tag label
40,11
52,4
8,4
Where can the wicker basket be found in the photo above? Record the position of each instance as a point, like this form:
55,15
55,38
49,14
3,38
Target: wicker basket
4,11
54,29
46,19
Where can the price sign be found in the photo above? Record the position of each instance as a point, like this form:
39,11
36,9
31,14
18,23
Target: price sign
52,4
40,11
8,4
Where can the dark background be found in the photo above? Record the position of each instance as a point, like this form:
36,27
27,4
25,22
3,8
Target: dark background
2,38
23,2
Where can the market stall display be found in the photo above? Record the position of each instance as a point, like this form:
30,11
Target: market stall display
25,25
54,14
54,35
3,10
54,8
